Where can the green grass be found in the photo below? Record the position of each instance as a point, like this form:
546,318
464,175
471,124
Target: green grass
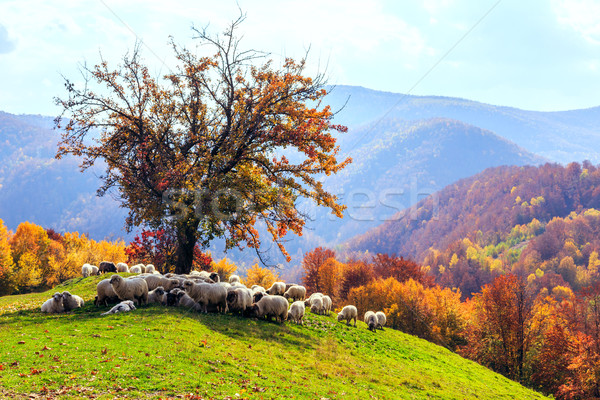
159,352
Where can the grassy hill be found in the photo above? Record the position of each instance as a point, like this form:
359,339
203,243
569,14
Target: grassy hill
159,352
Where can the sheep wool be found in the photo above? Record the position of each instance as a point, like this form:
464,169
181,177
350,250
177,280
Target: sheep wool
234,279
86,270
327,303
105,293
155,280
95,270
371,320
207,295
381,319
271,306
54,304
71,301
107,266
122,267
150,269
316,306
277,289
124,306
296,293
137,269
239,299
135,290
308,302
348,313
157,295
296,312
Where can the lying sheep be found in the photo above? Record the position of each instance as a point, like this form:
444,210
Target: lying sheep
239,299
308,302
234,279
86,270
296,312
122,267
184,300
106,266
327,303
54,304
71,301
130,289
105,293
381,320
296,293
157,295
270,306
95,270
348,313
277,289
172,299
207,295
371,320
155,280
137,269
124,306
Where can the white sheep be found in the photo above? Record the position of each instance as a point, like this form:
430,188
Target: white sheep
155,280
297,312
316,305
130,289
54,304
296,293
277,289
271,306
327,304
157,295
381,320
209,275
95,270
137,269
71,301
233,279
348,313
124,306
122,267
207,294
150,269
371,320
308,302
239,299
105,293
86,270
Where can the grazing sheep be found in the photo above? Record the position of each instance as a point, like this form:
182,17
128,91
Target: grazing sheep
258,295
54,304
157,295
124,306
207,294
86,270
296,293
308,302
154,280
327,303
381,320
122,267
130,289
277,289
137,269
271,306
71,301
150,269
234,279
371,320
239,299
348,313
105,293
289,285
95,270
297,312
107,266
316,306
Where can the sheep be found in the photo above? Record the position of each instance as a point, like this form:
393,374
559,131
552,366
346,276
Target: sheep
257,290
316,306
172,299
86,270
277,289
371,320
122,267
95,270
258,295
157,295
137,269
308,302
107,266
348,313
296,293
154,280
270,306
130,289
105,293
233,279
327,303
184,300
150,269
239,299
297,312
54,304
71,301
123,306
207,295
210,275
289,285
381,320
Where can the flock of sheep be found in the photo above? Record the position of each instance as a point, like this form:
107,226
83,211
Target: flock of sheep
204,292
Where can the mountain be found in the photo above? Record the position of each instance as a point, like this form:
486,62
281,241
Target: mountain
562,136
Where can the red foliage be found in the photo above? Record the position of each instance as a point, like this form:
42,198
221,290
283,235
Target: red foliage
311,264
386,266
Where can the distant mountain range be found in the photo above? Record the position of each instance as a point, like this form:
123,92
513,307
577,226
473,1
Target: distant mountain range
403,148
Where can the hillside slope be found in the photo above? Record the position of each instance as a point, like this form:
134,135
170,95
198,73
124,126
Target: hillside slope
158,352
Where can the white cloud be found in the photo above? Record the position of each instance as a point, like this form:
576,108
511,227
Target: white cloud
581,16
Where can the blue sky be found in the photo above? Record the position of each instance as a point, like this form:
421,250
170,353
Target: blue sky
536,55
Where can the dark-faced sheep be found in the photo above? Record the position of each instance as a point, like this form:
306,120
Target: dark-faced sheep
135,290
158,295
107,266
239,299
371,320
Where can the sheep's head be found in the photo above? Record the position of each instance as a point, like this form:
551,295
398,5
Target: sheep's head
57,296
286,295
257,296
340,317
130,304
232,296
173,283
116,280
159,291
188,284
66,295
172,298
253,310
215,277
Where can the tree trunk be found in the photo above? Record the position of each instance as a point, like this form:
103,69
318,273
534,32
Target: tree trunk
186,242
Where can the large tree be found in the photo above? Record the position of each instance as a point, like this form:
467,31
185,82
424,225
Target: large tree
202,148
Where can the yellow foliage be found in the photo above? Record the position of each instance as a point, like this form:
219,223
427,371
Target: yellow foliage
224,268
453,260
257,275
28,273
6,262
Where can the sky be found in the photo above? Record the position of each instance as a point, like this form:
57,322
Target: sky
537,55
